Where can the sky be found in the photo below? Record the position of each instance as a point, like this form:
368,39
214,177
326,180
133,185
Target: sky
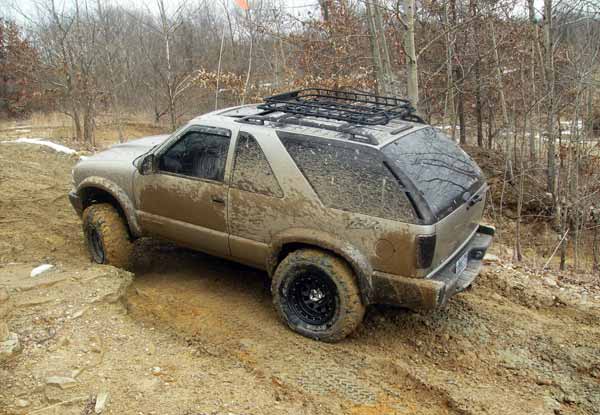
20,10
16,8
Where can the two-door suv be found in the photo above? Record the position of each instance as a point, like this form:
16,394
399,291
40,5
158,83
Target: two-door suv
346,199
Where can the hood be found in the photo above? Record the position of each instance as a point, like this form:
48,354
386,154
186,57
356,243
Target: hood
130,150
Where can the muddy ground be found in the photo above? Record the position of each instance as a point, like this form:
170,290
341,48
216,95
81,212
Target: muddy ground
188,334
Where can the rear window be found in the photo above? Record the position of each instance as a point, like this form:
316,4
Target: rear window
439,168
350,177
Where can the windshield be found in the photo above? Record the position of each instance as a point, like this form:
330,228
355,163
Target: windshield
440,170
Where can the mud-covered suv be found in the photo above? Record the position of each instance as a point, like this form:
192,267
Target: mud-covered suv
346,199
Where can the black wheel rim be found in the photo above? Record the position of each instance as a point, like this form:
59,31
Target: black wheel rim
313,297
95,244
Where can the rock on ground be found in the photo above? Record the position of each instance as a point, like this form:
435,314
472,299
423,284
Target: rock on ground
9,347
62,382
101,402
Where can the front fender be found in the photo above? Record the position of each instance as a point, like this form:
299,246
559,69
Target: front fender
319,239
119,194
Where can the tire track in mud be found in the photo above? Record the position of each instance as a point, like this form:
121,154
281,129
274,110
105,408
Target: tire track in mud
225,310
481,355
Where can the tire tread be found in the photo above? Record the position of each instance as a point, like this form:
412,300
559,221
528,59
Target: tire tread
113,231
354,309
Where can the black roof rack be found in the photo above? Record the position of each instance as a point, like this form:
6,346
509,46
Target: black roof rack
352,130
353,107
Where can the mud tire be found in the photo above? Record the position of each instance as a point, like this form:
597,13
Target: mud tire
349,311
111,232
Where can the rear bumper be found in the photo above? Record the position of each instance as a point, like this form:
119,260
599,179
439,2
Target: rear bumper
433,292
76,202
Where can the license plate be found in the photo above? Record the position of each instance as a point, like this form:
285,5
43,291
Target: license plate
461,264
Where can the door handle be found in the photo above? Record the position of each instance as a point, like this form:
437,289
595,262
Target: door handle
218,199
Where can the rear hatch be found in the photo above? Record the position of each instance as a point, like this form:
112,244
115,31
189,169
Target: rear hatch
454,231
449,181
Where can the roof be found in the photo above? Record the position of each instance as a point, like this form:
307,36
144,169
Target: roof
372,135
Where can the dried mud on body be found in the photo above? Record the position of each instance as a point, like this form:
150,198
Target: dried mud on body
189,334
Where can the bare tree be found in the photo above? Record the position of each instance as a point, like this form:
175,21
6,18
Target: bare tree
411,55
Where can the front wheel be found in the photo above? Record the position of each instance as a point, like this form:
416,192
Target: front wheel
106,235
316,295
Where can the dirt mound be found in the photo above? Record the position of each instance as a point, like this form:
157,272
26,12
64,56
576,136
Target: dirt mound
37,223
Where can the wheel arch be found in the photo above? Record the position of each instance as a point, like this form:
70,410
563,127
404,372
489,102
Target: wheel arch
99,190
293,240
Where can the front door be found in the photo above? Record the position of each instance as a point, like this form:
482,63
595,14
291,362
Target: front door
185,201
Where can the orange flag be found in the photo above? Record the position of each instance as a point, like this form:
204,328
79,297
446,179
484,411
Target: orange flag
243,4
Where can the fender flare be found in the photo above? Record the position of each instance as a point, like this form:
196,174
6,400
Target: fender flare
120,196
328,242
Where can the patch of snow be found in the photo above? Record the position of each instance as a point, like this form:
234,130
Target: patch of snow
41,269
54,146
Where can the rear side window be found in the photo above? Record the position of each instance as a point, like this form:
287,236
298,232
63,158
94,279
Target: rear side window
351,178
440,169
251,170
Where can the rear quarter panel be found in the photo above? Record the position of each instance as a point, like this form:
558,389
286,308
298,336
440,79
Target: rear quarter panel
387,245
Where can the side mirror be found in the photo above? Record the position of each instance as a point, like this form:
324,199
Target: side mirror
147,165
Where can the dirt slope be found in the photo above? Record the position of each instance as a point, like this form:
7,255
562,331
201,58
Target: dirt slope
197,335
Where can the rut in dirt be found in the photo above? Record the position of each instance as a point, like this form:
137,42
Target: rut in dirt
225,309
459,360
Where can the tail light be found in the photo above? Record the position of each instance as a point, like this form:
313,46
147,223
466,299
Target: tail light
425,250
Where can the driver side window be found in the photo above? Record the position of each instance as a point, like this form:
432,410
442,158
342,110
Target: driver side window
197,154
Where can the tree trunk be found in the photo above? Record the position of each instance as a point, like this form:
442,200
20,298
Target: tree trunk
490,126
166,33
449,96
534,41
172,115
550,115
389,78
477,70
478,105
249,72
460,105
375,52
411,55
324,5
89,124
500,86
595,244
518,254
589,117
76,117
564,245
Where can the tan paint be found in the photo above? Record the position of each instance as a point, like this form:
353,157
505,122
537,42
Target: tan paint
454,229
410,292
261,218
249,252
183,210
384,249
403,260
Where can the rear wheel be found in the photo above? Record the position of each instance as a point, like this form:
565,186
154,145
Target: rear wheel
106,235
316,295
